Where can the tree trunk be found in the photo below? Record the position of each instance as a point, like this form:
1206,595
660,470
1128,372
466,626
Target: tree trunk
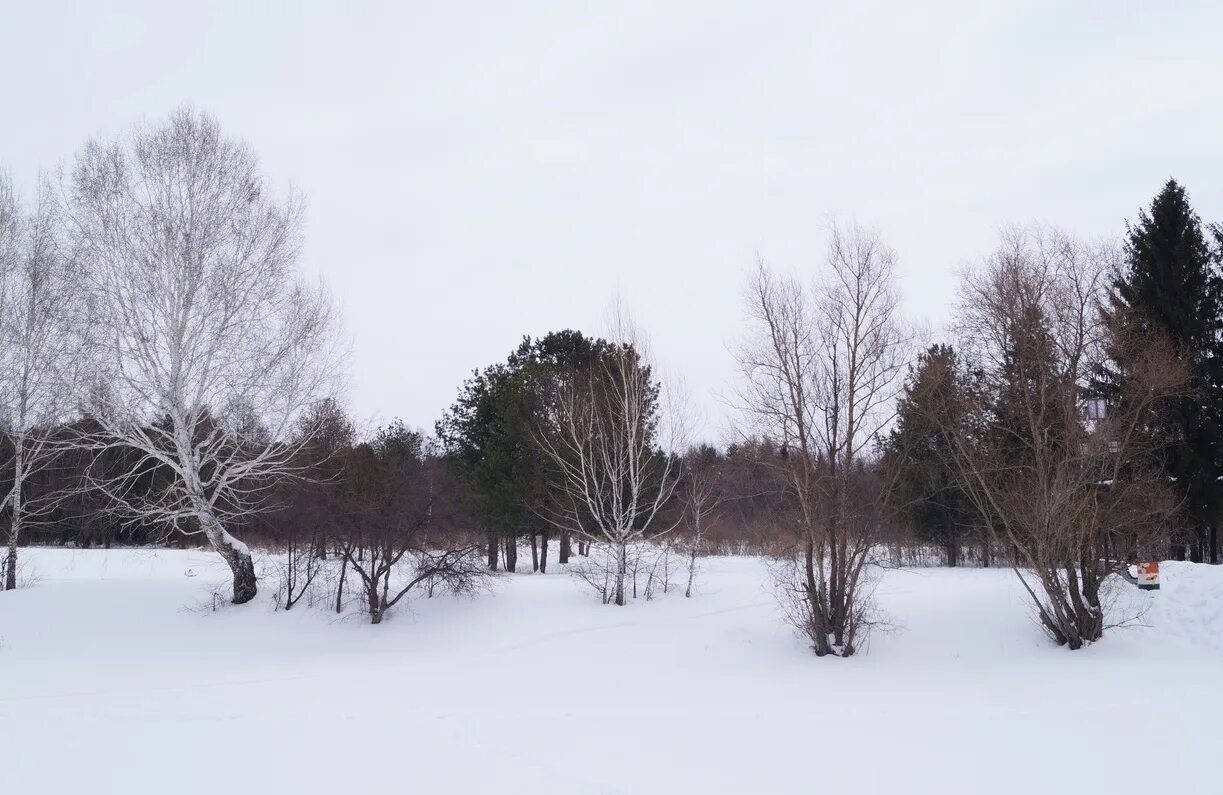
10,564
14,533
1214,543
621,571
492,551
566,544
534,552
819,621
543,552
511,553
235,553
691,571
339,593
375,608
290,575
243,567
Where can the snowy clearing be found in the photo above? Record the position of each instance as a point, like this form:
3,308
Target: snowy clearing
118,677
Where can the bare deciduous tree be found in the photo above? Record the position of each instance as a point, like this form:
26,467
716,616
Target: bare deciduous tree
701,497
820,371
208,342
301,567
1067,483
610,477
40,351
392,545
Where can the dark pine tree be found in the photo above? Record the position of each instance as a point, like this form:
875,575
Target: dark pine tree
1171,285
917,453
489,438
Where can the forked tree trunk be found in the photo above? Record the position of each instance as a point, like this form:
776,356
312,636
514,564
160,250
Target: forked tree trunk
1071,611
818,630
511,553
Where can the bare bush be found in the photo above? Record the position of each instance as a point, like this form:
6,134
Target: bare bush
298,572
391,543
645,570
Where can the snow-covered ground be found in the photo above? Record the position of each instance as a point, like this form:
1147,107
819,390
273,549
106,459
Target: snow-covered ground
117,676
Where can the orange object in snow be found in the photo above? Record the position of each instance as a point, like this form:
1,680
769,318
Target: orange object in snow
1148,576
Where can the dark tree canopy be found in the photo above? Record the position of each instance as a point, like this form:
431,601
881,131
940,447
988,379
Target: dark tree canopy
916,453
488,434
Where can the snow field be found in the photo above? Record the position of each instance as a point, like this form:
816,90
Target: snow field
117,676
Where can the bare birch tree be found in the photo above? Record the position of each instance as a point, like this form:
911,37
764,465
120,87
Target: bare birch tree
610,477
40,351
701,496
820,371
208,342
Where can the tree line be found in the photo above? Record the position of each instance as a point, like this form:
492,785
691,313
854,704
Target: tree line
169,376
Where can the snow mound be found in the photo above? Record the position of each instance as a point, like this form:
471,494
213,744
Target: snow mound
1189,604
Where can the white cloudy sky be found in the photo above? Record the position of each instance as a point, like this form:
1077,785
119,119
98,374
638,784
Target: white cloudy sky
480,171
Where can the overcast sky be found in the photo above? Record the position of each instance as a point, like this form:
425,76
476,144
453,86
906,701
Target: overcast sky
480,171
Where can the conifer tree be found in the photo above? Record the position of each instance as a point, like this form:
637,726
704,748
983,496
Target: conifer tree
488,434
1171,285
917,452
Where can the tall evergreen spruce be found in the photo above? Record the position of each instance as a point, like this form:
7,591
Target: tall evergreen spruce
1172,285
917,453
